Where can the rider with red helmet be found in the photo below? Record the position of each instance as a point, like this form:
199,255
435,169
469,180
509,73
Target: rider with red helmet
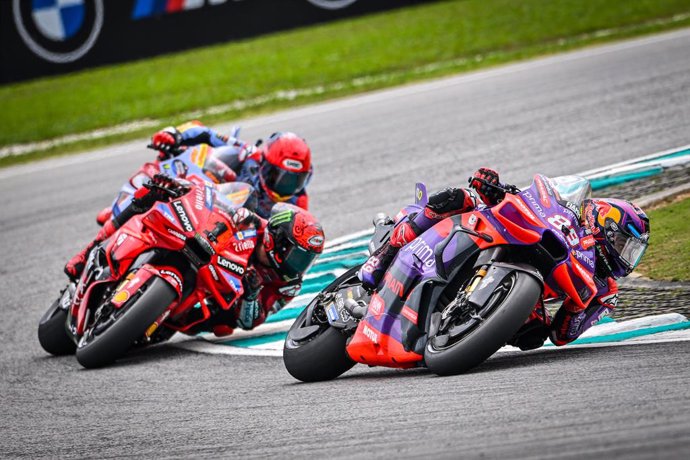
279,171
619,230
287,244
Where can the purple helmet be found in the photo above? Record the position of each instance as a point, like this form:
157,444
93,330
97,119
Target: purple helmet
621,231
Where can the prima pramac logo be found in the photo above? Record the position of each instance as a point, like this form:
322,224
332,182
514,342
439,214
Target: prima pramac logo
58,31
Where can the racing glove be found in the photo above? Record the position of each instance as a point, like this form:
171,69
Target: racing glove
167,141
485,181
250,309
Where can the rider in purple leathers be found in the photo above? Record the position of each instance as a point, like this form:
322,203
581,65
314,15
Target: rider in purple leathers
278,171
618,229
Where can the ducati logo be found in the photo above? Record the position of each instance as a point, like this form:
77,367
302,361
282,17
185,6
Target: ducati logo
58,31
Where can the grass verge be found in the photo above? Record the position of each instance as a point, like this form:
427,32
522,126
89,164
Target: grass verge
316,63
668,255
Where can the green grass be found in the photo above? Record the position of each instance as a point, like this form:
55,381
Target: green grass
668,255
342,58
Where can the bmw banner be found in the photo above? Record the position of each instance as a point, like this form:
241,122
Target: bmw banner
47,37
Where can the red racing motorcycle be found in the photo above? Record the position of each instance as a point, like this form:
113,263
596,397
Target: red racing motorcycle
150,279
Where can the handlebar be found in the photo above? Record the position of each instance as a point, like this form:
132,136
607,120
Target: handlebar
171,151
507,188
174,193
218,230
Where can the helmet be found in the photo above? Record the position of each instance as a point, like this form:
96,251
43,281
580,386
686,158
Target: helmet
286,167
621,233
292,240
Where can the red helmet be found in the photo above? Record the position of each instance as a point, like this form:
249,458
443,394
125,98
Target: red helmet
292,240
286,166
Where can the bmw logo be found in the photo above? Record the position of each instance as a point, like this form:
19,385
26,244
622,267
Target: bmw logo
332,4
58,31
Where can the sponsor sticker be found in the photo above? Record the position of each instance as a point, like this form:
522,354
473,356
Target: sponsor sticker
121,297
121,239
213,271
230,266
422,251
244,245
370,334
172,277
245,234
176,234
316,241
181,212
376,305
292,164
333,313
291,290
58,31
410,314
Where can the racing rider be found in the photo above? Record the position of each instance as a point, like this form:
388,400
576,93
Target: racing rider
620,231
288,243
279,172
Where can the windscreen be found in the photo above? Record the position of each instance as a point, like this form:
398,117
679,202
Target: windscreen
575,189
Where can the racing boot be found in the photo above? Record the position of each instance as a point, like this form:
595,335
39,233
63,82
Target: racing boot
104,215
376,265
76,264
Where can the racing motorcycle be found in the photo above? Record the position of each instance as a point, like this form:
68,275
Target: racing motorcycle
201,162
458,292
152,276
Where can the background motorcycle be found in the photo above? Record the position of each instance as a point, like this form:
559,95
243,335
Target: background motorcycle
457,293
144,283
199,162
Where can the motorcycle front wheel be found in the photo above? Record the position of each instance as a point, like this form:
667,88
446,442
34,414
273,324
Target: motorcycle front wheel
111,337
314,351
450,352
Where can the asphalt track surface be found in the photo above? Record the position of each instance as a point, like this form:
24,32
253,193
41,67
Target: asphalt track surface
557,115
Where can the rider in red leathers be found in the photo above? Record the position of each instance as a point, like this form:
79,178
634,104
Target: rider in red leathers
279,171
287,244
619,230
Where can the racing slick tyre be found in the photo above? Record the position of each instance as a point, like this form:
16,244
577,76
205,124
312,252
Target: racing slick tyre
111,337
504,312
52,331
314,351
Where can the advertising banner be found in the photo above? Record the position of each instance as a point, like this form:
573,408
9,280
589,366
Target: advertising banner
48,37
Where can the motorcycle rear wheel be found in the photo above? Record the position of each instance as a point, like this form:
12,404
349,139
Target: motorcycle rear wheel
504,317
321,356
98,350
52,331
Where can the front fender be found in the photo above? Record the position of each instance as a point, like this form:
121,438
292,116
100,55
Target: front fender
495,275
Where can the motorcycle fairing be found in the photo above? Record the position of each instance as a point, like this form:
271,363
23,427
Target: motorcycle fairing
188,164
390,333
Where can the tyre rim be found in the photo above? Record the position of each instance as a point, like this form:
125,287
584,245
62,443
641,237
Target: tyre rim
314,314
464,319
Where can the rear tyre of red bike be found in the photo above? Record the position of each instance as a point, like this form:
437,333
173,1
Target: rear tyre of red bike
52,331
98,349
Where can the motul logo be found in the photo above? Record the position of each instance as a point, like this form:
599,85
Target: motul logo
182,215
370,334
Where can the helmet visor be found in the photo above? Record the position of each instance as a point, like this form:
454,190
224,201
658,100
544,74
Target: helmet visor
296,262
630,247
282,182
